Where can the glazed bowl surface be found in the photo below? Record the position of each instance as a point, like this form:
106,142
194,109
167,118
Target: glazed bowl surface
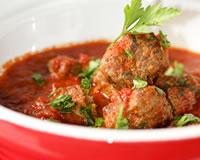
61,22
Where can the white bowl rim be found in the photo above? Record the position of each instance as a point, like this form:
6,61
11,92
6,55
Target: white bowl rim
98,134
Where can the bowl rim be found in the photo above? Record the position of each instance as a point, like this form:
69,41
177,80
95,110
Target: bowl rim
98,134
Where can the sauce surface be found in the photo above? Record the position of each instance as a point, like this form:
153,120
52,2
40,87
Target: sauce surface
18,91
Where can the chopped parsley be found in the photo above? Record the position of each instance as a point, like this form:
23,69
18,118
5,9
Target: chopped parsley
176,71
63,103
37,77
164,42
87,113
139,83
128,53
93,65
160,91
86,83
138,19
86,74
121,123
186,119
98,122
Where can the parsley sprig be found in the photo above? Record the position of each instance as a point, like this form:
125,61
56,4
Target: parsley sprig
138,19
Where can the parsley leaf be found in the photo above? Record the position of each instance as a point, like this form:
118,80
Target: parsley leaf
164,42
86,75
87,113
139,83
132,13
63,103
187,119
160,91
37,77
86,83
138,19
121,123
176,71
93,65
154,15
128,53
98,122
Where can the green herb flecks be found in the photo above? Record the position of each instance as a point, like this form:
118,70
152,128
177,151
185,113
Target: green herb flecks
86,84
121,123
99,122
93,65
87,113
139,83
164,42
37,77
186,119
138,19
128,53
176,71
160,91
63,103
86,74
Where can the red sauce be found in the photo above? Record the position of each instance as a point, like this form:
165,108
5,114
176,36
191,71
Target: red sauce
18,90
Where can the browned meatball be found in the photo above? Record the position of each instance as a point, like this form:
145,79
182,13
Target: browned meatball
77,95
186,80
133,56
148,108
42,107
111,111
61,66
182,99
144,108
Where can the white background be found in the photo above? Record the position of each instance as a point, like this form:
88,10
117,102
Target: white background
10,7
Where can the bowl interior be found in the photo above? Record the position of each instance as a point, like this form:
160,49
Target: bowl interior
75,21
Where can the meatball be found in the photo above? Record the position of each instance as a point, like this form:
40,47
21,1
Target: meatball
61,66
110,113
42,106
77,95
144,108
182,99
186,80
133,56
41,109
148,108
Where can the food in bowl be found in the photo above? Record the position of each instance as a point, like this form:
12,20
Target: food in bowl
135,82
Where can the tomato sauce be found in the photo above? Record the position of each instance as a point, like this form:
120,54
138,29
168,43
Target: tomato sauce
18,90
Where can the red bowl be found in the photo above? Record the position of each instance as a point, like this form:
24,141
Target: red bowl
24,137
22,143
39,139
